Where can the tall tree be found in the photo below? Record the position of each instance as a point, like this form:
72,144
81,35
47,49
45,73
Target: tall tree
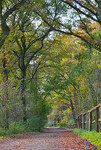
30,41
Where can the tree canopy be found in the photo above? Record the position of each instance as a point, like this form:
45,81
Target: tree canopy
50,61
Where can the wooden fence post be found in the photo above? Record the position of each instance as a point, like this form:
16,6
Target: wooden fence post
97,119
90,121
87,121
83,121
78,122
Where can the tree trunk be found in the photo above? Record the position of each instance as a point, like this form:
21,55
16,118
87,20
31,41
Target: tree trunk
73,111
93,93
23,95
6,90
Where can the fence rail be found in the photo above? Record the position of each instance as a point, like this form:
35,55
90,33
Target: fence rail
90,120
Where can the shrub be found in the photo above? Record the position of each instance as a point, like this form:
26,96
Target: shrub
16,128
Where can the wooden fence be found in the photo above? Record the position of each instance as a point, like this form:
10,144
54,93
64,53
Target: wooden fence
90,120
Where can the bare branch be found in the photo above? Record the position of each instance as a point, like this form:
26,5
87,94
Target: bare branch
34,53
35,70
81,11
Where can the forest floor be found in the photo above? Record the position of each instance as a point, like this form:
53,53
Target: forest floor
54,139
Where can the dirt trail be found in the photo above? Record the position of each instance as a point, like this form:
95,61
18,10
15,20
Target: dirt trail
54,139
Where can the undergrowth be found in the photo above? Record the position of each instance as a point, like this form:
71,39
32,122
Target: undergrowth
93,136
19,129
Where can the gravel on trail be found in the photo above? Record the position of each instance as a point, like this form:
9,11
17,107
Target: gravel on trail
54,139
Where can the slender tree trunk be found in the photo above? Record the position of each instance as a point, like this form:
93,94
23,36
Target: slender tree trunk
93,93
98,86
23,86
7,99
23,96
73,111
6,90
76,94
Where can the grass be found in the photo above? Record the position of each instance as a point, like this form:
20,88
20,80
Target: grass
69,129
93,136
55,127
60,127
1,137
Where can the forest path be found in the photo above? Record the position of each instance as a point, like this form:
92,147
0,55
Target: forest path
54,139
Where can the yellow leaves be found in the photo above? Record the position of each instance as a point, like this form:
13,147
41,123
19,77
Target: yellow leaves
69,62
95,26
91,28
69,111
99,66
64,61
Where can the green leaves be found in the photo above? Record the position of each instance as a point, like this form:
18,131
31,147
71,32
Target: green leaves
85,54
92,136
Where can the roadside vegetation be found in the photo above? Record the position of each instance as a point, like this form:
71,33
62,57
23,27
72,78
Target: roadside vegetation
92,136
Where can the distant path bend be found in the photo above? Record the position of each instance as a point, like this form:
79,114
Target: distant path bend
54,139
